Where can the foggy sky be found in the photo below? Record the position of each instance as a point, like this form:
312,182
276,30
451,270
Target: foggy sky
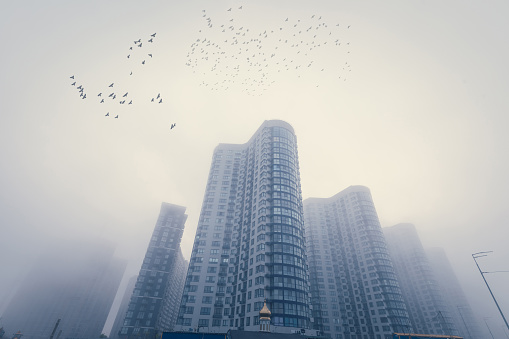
421,121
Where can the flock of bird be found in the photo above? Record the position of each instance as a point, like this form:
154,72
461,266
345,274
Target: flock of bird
112,94
235,54
228,54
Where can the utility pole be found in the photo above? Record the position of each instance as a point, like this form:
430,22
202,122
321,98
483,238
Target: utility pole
484,254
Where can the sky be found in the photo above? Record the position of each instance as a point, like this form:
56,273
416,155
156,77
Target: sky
412,104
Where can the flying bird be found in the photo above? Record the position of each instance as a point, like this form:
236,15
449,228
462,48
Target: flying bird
107,114
99,94
149,40
143,62
130,102
125,94
74,83
111,85
102,101
150,55
153,35
240,7
161,100
158,96
116,116
229,10
173,125
72,77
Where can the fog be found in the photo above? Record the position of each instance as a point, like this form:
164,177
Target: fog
421,120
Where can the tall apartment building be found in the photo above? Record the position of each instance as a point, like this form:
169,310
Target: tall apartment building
75,282
429,314
158,287
249,245
461,312
354,290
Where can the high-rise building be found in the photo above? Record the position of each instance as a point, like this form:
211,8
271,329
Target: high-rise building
146,314
461,312
249,244
122,310
354,289
75,282
429,314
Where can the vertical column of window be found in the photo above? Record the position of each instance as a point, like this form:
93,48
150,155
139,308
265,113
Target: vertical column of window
288,298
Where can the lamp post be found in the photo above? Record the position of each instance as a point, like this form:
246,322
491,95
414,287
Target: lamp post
484,254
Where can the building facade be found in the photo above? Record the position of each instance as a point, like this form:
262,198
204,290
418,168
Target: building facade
75,282
461,312
156,285
429,314
249,244
354,290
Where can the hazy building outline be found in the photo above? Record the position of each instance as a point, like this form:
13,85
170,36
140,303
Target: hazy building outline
461,312
354,288
429,313
76,282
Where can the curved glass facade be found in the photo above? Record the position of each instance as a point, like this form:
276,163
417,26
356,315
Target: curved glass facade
287,271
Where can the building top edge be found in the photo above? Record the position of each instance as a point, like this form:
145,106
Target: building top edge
265,124
349,189
167,205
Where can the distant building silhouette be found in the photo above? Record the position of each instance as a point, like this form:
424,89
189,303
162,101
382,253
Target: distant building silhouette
460,309
429,313
75,282
158,290
354,288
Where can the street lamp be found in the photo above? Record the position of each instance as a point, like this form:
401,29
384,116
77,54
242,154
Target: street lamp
484,254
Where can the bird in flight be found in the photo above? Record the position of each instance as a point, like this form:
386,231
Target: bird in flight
150,55
161,100
143,62
100,94
158,95
130,102
74,83
240,7
72,77
111,85
229,10
125,94
150,40
116,116
102,101
173,125
153,35
107,114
